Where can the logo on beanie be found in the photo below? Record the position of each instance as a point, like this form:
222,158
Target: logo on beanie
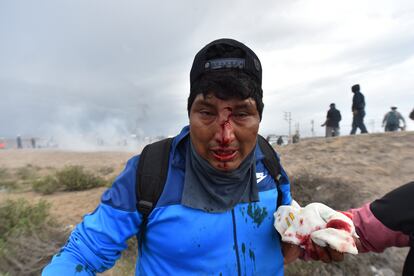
225,63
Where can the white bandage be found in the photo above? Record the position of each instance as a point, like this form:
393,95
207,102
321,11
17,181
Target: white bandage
318,223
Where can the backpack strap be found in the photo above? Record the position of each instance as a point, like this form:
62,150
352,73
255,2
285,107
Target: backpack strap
151,176
272,164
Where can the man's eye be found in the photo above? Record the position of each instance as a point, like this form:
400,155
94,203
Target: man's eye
241,115
206,113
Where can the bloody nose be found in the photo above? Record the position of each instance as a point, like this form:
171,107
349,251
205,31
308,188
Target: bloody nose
226,133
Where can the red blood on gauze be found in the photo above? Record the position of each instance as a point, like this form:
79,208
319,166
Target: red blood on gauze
315,223
338,224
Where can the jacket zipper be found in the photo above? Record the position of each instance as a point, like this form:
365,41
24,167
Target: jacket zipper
235,242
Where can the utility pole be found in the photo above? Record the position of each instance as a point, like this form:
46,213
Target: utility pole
288,118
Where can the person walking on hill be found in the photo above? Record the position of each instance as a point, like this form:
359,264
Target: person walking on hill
333,117
219,195
358,110
392,120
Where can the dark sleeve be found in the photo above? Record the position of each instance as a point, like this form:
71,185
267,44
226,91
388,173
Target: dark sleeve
395,209
329,115
361,102
354,99
358,101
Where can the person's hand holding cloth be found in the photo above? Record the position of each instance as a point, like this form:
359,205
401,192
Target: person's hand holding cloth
315,232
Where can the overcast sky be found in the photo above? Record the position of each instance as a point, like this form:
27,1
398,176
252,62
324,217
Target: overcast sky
95,66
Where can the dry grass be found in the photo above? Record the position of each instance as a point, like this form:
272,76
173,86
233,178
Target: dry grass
29,237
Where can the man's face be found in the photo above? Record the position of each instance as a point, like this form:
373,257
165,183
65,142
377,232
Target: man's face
223,132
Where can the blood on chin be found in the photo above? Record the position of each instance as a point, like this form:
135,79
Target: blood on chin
225,166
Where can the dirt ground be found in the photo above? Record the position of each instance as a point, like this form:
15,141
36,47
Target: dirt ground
351,170
68,207
373,164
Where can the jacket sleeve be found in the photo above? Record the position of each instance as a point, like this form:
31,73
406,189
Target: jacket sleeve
360,102
373,234
329,115
354,101
97,242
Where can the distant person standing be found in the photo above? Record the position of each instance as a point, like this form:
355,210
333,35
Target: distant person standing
33,142
392,119
358,110
296,137
19,142
333,117
279,141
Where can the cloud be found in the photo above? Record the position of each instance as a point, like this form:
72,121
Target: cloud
127,62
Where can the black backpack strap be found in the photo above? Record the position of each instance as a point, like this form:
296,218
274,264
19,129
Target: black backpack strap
151,176
272,164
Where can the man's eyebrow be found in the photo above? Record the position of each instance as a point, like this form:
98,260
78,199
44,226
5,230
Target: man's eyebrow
204,103
244,106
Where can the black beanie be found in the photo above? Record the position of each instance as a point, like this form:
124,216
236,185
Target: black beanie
355,88
224,55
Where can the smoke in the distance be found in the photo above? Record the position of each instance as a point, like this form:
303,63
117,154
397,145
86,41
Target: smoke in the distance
75,130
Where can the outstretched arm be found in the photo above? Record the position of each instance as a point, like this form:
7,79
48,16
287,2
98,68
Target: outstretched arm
374,236
386,221
97,242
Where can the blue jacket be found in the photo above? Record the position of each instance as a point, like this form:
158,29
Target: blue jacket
179,240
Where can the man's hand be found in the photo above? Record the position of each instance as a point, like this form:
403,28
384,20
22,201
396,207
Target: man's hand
328,255
355,112
290,252
318,253
325,254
